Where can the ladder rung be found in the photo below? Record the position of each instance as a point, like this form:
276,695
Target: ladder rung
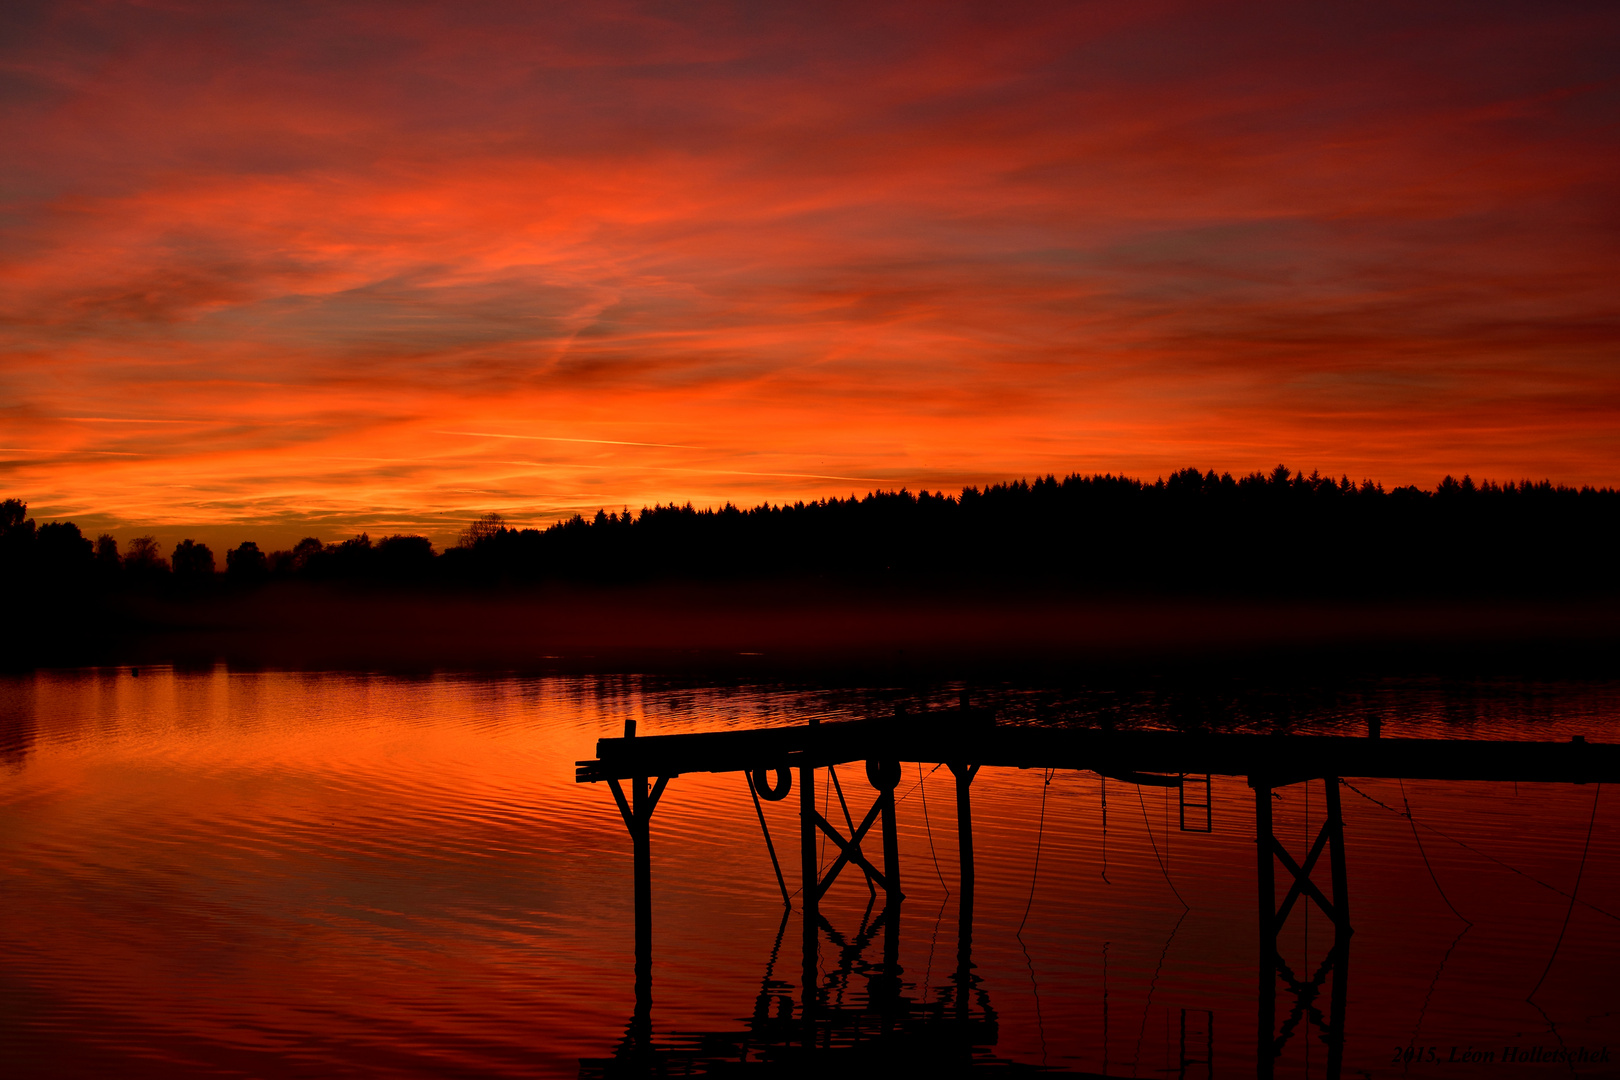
1206,807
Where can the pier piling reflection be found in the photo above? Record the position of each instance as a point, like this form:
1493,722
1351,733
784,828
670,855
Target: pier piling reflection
1269,850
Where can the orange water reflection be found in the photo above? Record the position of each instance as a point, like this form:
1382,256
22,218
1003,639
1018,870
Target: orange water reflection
332,874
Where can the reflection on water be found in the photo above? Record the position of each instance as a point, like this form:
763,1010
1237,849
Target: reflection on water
274,874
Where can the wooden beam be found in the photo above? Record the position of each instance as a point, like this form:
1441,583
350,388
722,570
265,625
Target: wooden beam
624,807
1310,862
1142,757
1303,882
850,850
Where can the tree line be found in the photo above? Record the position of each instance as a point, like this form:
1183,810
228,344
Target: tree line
1280,532
57,553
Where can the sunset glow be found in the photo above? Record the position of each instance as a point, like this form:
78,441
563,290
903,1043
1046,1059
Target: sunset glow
270,270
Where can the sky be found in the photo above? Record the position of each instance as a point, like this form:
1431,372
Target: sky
274,270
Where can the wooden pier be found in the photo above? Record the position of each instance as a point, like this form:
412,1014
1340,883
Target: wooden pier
968,739
972,735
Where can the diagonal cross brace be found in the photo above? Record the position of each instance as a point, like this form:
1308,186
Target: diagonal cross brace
630,821
1300,874
765,830
832,773
850,850
1305,995
1302,881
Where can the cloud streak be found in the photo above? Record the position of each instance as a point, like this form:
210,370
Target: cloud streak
938,244
562,438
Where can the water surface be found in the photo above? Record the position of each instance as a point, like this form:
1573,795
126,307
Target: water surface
218,873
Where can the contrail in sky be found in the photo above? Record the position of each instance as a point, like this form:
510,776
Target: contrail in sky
68,453
709,472
560,438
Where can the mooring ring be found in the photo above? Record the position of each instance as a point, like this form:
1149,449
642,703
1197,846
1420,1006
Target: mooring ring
884,775
784,783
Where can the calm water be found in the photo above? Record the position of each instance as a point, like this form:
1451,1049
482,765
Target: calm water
267,874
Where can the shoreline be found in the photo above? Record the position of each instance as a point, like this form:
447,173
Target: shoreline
836,631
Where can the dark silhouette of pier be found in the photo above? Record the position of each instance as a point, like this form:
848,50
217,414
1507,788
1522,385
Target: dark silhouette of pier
775,760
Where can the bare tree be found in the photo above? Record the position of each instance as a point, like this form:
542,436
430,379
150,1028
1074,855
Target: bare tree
143,555
485,527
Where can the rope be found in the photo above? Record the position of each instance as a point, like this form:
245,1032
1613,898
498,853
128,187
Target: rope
1413,822
1571,910
1146,824
1434,982
1553,1028
1040,832
1153,985
930,829
918,784
1104,790
1105,1007
1481,854
928,975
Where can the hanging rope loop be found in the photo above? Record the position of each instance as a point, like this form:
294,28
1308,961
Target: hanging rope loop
778,791
884,775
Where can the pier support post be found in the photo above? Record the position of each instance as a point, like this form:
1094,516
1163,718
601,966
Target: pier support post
641,857
886,778
891,850
964,826
964,774
1341,929
637,812
809,893
1335,826
891,951
1266,1009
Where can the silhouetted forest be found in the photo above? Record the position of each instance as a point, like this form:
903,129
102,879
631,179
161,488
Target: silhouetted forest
1276,534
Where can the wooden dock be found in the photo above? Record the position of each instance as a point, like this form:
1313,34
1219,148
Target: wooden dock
777,759
1153,757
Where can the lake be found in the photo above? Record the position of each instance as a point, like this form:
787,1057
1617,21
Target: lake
238,873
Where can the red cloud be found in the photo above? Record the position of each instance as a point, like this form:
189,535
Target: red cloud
930,245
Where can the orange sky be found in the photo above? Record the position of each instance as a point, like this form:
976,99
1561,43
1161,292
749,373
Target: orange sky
270,270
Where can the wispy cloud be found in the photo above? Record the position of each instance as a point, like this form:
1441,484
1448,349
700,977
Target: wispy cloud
564,438
69,453
890,240
126,420
702,472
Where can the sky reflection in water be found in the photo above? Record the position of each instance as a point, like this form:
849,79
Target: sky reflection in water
327,874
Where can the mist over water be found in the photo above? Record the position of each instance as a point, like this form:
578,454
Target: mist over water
218,873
